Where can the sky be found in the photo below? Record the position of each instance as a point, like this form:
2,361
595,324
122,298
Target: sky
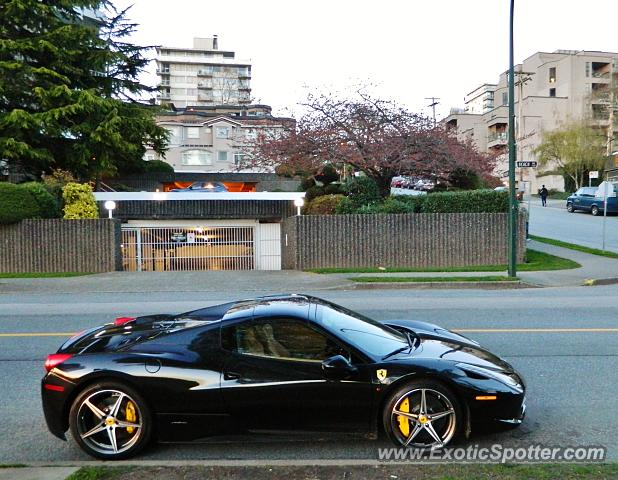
399,50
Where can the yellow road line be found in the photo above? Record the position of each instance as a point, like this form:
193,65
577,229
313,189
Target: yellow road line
536,330
460,330
38,334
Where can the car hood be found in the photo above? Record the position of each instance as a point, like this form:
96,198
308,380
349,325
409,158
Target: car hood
442,344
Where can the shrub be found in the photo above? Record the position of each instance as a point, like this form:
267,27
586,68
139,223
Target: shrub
345,206
362,191
369,209
306,183
324,205
394,205
79,201
415,201
313,192
333,189
158,166
472,201
464,179
55,182
16,203
47,203
329,174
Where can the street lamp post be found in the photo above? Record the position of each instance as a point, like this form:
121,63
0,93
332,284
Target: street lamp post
512,230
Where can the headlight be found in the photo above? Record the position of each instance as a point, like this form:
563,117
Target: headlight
485,372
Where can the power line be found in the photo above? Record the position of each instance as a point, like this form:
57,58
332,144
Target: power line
434,102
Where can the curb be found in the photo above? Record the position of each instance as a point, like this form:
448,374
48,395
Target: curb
439,285
600,281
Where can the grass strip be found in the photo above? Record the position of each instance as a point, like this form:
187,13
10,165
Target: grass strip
485,278
536,261
43,275
394,470
574,246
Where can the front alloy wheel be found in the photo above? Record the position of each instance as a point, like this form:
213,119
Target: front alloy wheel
422,415
110,421
570,208
594,210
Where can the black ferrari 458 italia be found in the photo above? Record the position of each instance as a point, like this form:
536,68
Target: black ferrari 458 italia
278,363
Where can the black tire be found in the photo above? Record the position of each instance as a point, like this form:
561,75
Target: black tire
570,208
448,430
594,210
83,419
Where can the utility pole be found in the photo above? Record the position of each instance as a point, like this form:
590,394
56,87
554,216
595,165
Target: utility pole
512,154
434,102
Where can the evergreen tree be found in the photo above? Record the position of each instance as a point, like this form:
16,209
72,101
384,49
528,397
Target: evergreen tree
69,90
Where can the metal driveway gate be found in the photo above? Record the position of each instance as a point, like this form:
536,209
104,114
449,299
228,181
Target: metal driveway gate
187,248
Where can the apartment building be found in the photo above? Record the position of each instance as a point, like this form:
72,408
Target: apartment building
215,138
551,90
203,75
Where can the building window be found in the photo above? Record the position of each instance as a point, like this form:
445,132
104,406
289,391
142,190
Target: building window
552,75
222,156
192,132
505,98
251,134
552,92
222,132
149,157
196,157
587,69
240,158
174,137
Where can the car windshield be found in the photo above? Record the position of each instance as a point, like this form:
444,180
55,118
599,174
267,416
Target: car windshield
367,335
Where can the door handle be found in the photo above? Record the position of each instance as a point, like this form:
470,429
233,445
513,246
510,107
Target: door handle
231,376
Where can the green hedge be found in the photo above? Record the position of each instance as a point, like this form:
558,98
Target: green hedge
17,203
470,201
48,206
158,166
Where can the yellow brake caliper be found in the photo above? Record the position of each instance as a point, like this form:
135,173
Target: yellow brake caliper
130,415
404,423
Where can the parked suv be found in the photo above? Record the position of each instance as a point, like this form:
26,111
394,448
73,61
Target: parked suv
586,199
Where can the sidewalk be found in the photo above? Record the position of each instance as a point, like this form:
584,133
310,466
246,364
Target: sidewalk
593,267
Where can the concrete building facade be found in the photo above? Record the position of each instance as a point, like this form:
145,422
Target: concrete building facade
202,75
215,138
551,90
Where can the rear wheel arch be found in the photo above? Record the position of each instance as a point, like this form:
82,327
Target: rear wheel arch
98,377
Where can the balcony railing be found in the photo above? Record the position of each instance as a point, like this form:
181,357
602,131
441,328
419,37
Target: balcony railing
204,73
501,137
600,74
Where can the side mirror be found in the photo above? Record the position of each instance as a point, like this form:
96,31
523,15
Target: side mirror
338,368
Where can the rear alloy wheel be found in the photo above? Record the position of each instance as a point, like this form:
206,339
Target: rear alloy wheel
422,415
570,208
110,421
594,210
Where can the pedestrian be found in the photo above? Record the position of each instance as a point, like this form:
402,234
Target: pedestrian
543,194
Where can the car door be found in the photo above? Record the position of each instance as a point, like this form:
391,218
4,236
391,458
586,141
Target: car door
273,378
577,198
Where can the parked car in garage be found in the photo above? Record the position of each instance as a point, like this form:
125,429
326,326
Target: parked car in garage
203,187
588,199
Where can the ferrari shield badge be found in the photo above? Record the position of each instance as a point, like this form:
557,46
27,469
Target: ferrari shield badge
381,374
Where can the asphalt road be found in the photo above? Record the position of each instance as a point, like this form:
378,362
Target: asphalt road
581,228
571,375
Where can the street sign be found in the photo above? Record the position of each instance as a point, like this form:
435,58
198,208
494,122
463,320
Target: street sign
527,164
593,174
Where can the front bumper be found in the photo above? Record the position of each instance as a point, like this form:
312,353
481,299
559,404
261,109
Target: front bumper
516,420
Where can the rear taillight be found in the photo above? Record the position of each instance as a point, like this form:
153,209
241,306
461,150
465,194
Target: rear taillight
55,359
123,320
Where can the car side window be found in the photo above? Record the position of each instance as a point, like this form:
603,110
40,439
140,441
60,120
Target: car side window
281,338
